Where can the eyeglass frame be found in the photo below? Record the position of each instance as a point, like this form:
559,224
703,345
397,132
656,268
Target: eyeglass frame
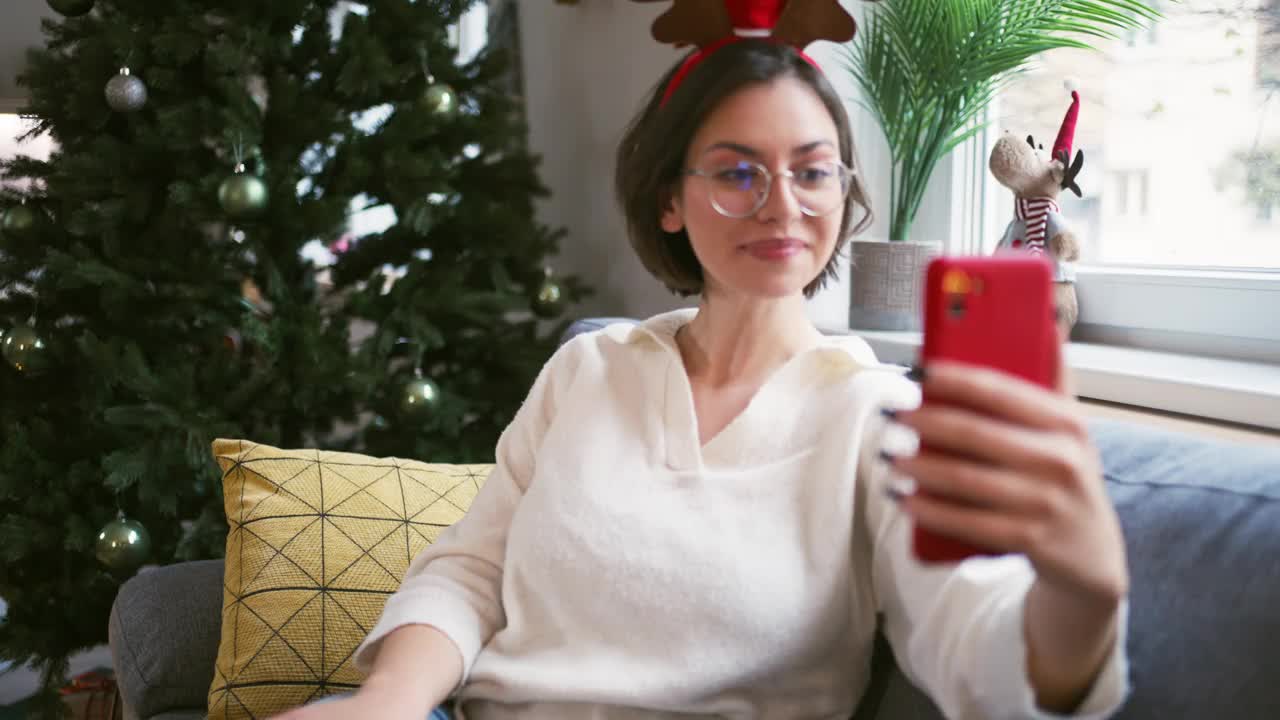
846,180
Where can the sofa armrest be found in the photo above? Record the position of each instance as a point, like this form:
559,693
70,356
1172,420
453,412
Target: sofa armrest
164,632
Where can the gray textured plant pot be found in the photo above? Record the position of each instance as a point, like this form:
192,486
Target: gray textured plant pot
888,282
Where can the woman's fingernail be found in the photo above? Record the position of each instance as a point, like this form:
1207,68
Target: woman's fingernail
916,373
889,413
888,457
895,494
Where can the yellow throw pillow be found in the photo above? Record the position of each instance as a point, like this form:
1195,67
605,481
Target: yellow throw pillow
317,542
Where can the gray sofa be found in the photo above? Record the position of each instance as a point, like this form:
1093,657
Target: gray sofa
1202,525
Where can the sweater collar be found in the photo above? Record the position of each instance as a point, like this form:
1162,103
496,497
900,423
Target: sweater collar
661,328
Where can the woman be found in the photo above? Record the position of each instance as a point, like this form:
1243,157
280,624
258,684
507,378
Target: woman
695,516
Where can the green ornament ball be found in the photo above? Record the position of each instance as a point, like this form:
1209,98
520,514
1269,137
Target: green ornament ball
549,302
243,195
421,396
440,99
24,349
71,8
18,220
123,545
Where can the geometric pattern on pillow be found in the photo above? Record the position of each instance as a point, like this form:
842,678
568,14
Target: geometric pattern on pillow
317,541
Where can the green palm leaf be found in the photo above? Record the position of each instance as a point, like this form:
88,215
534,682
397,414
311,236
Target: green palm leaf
927,70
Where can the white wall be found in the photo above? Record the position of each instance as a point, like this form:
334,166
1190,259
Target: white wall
19,30
587,68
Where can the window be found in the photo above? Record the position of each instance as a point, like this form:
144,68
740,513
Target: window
13,127
1180,219
1180,134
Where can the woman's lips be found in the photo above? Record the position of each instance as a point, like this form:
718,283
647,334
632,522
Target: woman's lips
774,248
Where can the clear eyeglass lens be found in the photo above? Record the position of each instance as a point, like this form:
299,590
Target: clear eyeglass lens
740,189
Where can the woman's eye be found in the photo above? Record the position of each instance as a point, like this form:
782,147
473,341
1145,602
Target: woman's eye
814,174
737,176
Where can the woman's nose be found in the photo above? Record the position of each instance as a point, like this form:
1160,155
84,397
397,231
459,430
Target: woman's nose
781,204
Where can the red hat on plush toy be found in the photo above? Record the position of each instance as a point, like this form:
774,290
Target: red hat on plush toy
711,25
1067,133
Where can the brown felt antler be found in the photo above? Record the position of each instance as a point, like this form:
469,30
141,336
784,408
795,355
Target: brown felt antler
800,22
804,21
692,22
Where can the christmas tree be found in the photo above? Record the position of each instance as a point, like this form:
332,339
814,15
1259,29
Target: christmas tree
185,266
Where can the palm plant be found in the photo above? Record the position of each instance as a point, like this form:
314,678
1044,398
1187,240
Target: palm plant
929,68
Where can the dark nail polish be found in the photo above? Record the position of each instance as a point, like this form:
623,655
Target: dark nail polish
894,494
888,457
889,413
915,374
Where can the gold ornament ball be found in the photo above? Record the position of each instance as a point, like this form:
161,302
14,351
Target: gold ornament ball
440,99
18,220
243,195
71,8
550,300
421,396
123,545
23,349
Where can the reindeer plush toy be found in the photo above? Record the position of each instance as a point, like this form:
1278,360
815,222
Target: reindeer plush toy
1036,179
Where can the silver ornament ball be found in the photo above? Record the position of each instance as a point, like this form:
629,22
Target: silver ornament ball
126,93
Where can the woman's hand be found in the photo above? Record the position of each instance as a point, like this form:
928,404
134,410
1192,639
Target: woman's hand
1008,465
415,669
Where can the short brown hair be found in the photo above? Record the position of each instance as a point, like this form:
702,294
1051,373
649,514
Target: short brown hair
651,155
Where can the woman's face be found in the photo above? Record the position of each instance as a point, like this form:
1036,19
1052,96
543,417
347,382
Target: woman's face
778,249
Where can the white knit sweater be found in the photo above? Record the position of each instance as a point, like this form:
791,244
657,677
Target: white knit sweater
611,568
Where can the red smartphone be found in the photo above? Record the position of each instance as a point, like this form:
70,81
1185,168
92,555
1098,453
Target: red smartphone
996,312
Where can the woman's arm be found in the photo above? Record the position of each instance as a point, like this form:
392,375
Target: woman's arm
398,668
1009,466
1068,642
415,670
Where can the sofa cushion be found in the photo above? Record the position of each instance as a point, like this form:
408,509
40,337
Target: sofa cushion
1202,525
317,542
164,636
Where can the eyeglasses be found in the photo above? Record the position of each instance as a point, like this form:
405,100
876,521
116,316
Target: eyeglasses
738,189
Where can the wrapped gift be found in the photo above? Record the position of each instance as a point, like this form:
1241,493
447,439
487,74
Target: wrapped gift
93,696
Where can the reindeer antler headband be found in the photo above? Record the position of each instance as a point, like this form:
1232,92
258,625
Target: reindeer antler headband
712,24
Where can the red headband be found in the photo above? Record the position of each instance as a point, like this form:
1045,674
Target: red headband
713,24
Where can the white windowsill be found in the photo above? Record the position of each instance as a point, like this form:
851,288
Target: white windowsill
1235,391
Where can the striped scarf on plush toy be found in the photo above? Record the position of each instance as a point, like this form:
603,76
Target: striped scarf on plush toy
1035,213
